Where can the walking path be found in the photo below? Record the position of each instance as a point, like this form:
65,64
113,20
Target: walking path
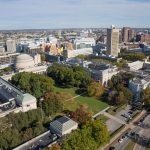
114,118
101,112
75,97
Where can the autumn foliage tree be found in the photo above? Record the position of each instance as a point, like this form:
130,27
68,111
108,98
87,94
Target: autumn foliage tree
81,115
95,89
52,103
55,147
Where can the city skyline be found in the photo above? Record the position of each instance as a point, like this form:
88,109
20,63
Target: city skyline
36,14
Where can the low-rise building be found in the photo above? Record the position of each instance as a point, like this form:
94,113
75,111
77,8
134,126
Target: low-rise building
137,85
102,72
134,66
8,59
137,65
12,99
63,126
76,52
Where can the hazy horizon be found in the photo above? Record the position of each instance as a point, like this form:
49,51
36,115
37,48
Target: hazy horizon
49,14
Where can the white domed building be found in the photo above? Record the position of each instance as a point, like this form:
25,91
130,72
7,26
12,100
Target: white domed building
27,63
24,61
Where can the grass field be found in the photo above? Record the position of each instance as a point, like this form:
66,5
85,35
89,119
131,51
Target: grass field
66,90
102,118
93,104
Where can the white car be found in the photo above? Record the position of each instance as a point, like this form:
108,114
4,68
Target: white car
120,140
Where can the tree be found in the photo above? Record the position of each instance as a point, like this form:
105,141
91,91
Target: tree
123,50
99,132
128,95
81,115
43,58
133,56
9,139
67,76
19,128
27,134
146,96
79,140
55,147
120,99
4,124
34,84
95,89
81,56
52,103
7,69
91,136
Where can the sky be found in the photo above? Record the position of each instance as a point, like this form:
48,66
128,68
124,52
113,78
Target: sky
52,14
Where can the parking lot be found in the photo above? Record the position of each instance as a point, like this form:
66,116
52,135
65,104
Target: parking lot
112,125
123,111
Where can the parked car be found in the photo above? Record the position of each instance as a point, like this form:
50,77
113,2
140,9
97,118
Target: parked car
127,116
112,148
123,137
126,134
53,137
120,140
130,112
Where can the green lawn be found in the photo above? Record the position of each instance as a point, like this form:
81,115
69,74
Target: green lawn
71,105
93,104
102,118
67,90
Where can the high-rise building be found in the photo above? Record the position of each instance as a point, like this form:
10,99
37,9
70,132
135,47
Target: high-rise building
113,41
11,46
127,34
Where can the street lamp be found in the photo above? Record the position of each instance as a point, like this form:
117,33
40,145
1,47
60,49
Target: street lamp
41,100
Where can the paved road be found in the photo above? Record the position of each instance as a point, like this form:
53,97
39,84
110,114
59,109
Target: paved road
42,141
145,132
122,146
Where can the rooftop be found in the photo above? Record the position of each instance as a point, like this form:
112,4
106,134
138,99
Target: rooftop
63,123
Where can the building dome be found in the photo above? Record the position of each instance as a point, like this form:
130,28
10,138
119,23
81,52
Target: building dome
24,61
